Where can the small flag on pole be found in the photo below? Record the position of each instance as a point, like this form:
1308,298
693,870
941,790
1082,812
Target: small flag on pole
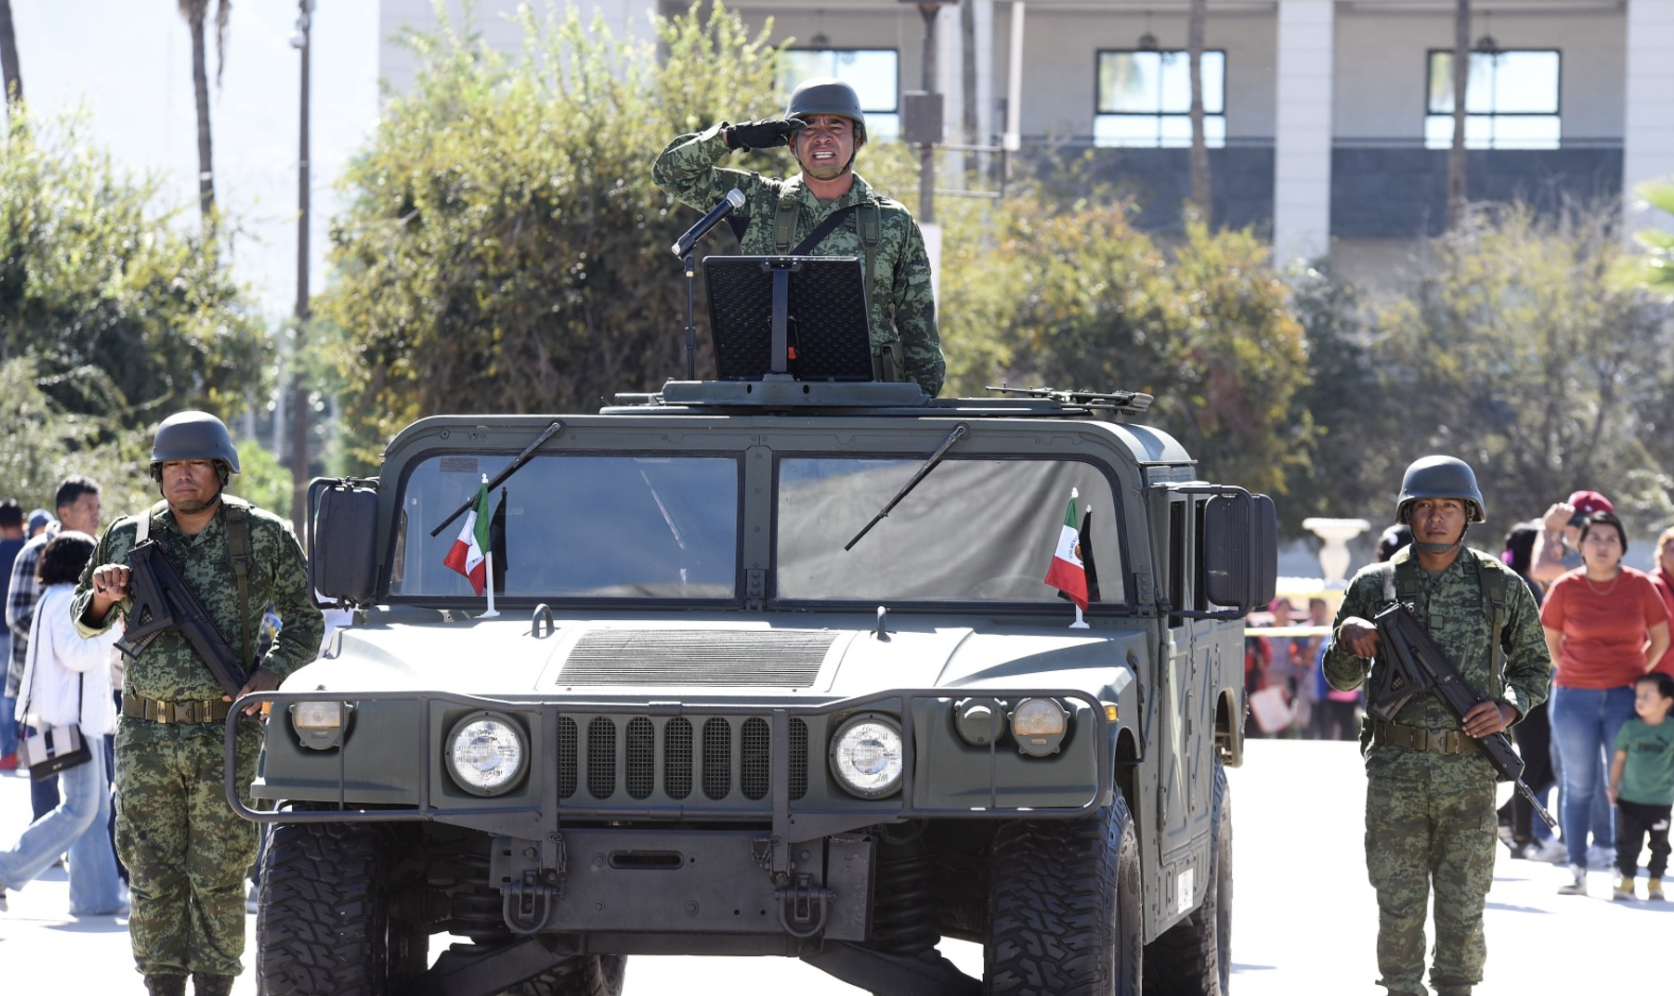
1067,573
470,550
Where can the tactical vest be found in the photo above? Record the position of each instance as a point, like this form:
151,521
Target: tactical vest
238,558
1403,581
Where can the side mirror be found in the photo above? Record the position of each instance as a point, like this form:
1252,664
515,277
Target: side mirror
343,545
1240,550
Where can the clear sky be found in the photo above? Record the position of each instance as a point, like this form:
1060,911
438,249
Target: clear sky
128,64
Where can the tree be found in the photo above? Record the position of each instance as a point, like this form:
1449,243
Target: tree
1654,269
1083,300
95,279
1456,203
195,12
11,74
46,442
1202,192
506,249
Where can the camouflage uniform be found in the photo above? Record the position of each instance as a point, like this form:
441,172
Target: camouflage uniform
187,852
903,308
1430,820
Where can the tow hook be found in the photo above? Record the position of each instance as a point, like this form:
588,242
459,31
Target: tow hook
528,904
802,907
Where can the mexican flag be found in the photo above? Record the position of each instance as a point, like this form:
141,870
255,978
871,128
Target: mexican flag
1067,573
471,547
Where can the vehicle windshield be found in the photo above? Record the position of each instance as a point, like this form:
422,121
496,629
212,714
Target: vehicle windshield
580,526
973,529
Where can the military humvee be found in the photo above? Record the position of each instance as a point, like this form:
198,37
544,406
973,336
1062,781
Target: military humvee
774,672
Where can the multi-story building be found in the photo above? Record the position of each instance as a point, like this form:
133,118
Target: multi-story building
1328,121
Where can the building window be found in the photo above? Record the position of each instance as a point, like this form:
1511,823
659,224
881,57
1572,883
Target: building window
1511,101
1145,99
874,73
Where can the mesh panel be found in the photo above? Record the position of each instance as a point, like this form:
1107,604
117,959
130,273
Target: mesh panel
798,759
601,757
755,768
677,758
642,757
567,739
717,758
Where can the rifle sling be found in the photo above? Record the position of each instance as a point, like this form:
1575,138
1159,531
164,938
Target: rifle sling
238,558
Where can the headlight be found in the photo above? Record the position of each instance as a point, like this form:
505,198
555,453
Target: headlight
487,753
866,756
1039,726
320,725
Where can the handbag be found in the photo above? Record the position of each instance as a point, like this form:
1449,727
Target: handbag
53,749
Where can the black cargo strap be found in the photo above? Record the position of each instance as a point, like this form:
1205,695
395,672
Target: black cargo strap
1445,742
158,711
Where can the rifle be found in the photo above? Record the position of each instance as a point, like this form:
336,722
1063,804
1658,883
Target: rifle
162,601
1416,665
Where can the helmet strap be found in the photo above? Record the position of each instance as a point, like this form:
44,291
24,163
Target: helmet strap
1442,547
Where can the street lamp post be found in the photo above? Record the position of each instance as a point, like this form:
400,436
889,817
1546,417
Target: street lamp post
299,384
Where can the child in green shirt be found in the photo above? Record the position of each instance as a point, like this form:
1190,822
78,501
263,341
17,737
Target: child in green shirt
1642,784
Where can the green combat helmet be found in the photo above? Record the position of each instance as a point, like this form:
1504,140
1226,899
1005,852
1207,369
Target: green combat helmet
827,95
193,436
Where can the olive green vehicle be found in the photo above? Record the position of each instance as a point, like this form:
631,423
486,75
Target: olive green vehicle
774,672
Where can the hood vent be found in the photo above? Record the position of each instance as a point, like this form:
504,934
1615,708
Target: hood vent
770,657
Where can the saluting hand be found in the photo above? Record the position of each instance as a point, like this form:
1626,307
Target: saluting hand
767,133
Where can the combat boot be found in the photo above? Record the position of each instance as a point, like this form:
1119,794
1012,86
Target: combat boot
165,985
211,985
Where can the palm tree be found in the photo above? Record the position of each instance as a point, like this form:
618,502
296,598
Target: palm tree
1461,80
1199,157
195,12
10,73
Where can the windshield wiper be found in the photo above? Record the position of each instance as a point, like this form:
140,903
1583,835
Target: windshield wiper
958,433
500,478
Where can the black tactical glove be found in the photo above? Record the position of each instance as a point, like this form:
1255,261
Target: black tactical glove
768,133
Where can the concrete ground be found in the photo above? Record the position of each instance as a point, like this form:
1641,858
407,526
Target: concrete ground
1304,917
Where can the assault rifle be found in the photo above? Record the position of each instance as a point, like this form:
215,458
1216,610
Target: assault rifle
1417,665
162,601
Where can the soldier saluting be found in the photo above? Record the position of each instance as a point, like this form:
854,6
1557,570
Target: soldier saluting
187,852
1430,824
824,128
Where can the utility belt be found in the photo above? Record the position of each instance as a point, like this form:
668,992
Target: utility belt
1444,742
158,711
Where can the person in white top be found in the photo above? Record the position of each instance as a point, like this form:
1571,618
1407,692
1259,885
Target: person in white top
66,681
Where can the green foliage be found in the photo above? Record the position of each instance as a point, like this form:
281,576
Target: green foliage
1082,300
44,444
128,317
261,480
506,249
1516,353
1655,268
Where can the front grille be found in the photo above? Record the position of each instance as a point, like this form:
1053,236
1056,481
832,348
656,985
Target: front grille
728,759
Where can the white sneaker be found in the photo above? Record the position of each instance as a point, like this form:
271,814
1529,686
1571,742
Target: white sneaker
1548,850
1600,857
1577,887
1507,837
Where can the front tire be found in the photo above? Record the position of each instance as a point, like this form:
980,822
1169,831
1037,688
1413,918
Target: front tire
327,925
1064,908
1194,957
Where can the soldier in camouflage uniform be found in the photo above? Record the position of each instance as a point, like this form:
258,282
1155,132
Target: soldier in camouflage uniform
824,128
187,852
1430,823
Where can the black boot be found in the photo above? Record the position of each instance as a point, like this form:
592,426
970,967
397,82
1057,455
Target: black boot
211,985
165,985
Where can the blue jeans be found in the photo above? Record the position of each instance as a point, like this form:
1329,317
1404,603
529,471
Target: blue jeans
78,826
1584,725
8,703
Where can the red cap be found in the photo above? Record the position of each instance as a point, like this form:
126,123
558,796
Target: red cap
1588,502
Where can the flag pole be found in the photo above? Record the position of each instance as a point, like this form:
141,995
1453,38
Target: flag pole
1080,623
488,562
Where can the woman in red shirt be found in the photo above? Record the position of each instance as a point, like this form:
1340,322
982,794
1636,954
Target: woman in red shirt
1663,577
1605,625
